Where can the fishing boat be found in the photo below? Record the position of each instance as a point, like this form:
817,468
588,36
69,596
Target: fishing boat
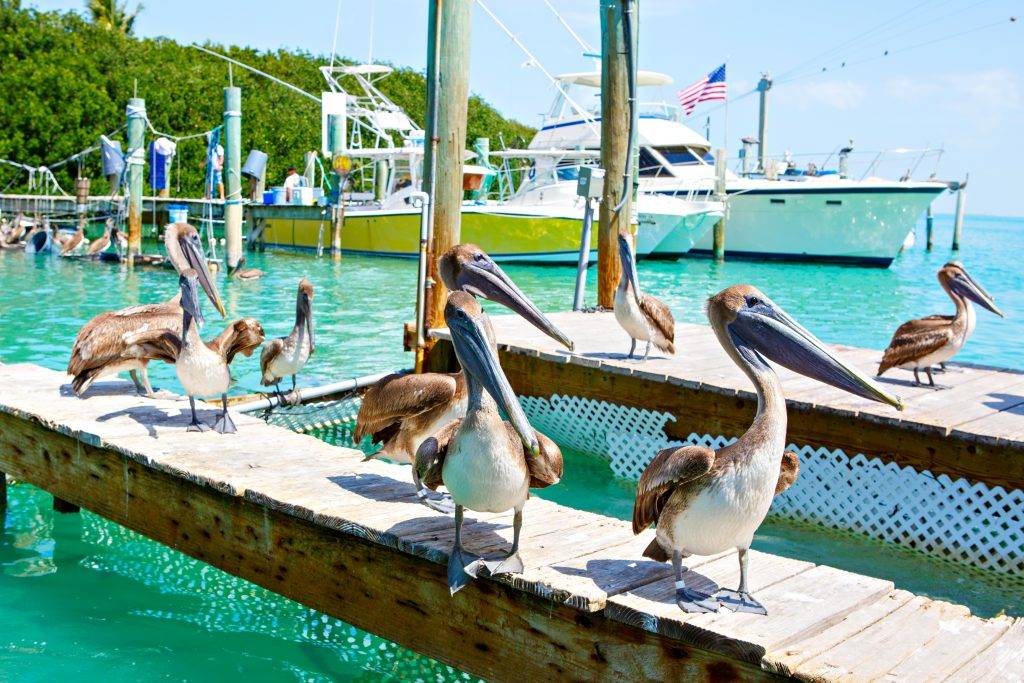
812,215
537,223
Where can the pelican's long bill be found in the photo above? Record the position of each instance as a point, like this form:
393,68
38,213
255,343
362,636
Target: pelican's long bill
765,328
193,253
483,277
306,311
190,301
629,265
479,359
965,285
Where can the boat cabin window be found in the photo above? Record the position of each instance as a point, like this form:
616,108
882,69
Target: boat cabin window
681,154
649,164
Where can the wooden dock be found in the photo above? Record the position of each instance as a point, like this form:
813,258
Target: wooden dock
323,526
974,429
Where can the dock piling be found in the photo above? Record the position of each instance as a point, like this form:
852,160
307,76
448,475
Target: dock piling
233,175
718,245
929,229
961,205
450,105
336,140
136,158
615,210
763,86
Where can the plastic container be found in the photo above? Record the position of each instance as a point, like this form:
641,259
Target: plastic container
268,197
280,196
177,213
302,196
255,165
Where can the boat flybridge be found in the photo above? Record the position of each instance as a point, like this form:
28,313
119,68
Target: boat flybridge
387,147
777,212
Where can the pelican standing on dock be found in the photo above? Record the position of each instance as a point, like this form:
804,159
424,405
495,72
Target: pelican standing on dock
75,241
403,410
288,355
202,367
642,316
100,349
705,501
487,464
919,344
100,244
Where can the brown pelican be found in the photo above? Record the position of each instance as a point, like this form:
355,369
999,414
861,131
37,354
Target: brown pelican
288,355
401,411
101,243
707,501
641,315
488,465
100,348
202,367
72,243
241,273
920,344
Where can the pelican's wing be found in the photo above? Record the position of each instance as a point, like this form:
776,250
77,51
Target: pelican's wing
242,336
788,472
99,244
670,468
915,339
431,453
399,397
154,344
545,467
101,340
659,314
271,351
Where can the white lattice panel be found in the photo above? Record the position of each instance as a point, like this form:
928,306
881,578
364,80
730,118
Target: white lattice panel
972,523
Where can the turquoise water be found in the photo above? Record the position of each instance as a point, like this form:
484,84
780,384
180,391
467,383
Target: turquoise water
79,595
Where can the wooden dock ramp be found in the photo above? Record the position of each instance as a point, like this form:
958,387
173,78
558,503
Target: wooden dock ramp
974,429
321,525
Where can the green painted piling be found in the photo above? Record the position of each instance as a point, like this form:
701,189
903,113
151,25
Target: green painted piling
336,141
718,238
233,175
451,101
136,160
961,207
929,228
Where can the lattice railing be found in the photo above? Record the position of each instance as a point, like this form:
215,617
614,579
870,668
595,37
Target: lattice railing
954,519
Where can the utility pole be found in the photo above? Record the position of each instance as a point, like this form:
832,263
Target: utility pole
616,205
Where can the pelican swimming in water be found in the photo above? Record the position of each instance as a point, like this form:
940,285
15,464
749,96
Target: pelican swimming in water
401,411
203,368
642,316
100,349
286,356
487,464
705,501
241,273
919,344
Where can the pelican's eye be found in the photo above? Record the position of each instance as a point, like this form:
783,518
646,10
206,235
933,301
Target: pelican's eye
753,301
478,256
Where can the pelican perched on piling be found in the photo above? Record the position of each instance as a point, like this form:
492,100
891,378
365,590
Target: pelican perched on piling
705,501
100,348
487,464
919,344
203,368
642,316
286,356
401,411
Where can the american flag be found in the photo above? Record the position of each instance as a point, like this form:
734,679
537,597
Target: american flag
711,88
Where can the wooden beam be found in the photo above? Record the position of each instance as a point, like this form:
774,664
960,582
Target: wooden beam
489,629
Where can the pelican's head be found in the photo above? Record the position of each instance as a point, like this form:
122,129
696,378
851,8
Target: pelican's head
184,250
629,264
189,282
955,278
757,327
471,338
304,309
468,268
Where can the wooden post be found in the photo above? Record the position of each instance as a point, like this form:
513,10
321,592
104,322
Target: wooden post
928,228
763,86
336,140
136,160
961,206
719,234
450,102
615,120
233,175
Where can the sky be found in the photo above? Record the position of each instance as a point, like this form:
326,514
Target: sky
953,78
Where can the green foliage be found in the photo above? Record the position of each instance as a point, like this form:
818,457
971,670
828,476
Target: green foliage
67,81
113,15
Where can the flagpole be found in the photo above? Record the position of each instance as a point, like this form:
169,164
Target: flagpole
725,127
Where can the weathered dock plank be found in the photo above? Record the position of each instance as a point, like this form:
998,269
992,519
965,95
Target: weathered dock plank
973,429
346,535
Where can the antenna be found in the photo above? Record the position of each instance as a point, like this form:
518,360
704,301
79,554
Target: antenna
334,41
373,11
588,50
256,71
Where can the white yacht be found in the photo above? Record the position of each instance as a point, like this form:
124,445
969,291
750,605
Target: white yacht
816,216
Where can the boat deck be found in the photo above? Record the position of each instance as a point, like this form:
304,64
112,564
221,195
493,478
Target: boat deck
972,429
344,535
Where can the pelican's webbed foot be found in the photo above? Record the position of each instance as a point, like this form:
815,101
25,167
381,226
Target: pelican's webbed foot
224,423
513,564
197,426
462,568
739,601
695,602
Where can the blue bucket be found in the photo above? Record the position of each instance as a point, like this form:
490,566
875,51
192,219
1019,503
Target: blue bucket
280,196
177,213
268,197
